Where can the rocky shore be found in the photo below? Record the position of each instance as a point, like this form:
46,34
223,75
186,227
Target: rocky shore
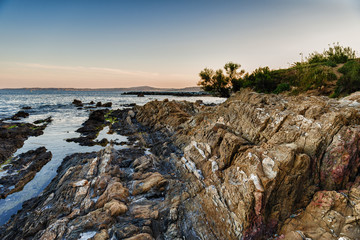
255,167
13,135
22,169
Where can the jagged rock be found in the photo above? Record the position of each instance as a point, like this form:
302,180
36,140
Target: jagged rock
78,103
46,121
115,207
128,105
165,114
150,181
254,160
330,215
113,191
253,167
107,105
20,114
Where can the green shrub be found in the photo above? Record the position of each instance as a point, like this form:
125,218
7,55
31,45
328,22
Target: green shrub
261,80
350,81
237,84
314,77
219,84
316,57
282,87
335,54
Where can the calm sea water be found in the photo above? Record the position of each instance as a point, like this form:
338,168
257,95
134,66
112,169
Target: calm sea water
66,120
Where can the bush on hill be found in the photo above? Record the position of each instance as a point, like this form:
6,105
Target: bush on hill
261,80
350,81
334,55
220,84
317,73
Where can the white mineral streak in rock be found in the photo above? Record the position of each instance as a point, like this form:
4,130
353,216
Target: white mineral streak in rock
51,196
212,191
261,114
220,120
87,203
268,167
92,167
81,192
105,159
278,119
238,228
87,235
190,165
304,121
80,183
256,182
147,151
199,150
65,176
214,166
56,229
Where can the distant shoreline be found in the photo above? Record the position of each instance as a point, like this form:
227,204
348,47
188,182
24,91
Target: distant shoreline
172,93
130,89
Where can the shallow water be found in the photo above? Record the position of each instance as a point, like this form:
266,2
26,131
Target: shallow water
66,120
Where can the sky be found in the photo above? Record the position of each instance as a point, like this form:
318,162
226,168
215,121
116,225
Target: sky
161,43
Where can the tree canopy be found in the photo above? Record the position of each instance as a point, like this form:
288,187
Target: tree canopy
218,83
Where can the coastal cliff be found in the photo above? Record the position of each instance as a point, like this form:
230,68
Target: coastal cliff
258,166
264,165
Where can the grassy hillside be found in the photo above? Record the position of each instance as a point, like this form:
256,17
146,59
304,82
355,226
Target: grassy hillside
316,78
335,72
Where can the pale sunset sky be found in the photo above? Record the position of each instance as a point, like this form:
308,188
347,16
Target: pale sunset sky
161,43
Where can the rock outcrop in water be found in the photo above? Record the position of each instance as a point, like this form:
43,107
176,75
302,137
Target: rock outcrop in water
13,135
125,194
22,170
255,167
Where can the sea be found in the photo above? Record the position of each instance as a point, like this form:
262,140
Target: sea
66,120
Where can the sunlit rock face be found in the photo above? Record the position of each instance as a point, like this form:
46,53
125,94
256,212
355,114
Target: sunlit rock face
255,167
254,162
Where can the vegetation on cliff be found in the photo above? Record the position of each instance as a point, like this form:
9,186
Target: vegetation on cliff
334,72
220,84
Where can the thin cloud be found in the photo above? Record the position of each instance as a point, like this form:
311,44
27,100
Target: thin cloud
87,69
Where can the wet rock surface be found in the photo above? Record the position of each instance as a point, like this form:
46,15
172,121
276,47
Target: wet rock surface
255,167
110,194
79,104
91,128
22,169
125,194
118,121
13,135
19,115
